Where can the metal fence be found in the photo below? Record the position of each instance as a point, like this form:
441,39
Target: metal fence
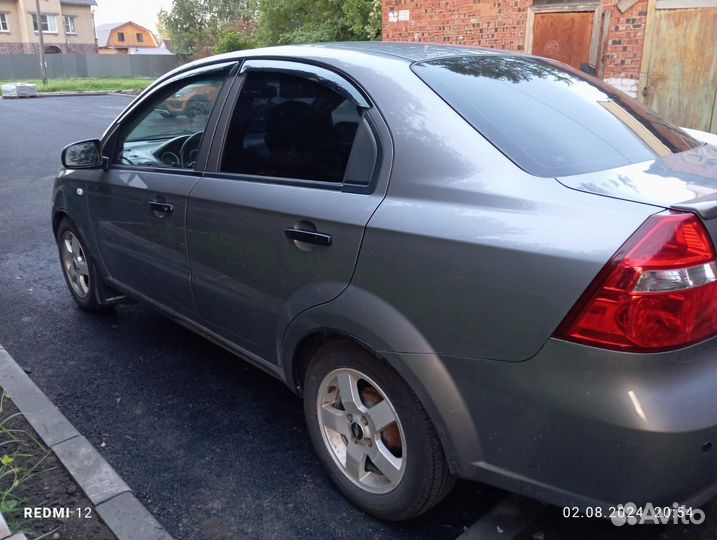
14,67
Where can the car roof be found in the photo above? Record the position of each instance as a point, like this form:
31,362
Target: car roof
409,52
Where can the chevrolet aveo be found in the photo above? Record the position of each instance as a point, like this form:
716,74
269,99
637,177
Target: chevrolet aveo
468,263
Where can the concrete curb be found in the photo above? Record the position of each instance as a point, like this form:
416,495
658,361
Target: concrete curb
5,533
114,501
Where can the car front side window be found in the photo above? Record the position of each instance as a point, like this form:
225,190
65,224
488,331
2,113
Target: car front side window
166,133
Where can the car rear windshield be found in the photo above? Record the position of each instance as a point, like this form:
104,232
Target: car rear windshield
548,118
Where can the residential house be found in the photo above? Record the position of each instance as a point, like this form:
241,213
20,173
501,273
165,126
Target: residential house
126,38
663,52
67,26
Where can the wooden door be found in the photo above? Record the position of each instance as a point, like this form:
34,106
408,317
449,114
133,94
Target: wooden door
681,82
564,36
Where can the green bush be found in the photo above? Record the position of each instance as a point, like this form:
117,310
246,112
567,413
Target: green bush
232,41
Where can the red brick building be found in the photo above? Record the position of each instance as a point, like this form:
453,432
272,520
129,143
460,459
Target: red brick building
664,52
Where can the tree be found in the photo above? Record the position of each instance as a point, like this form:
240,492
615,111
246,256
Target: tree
194,26
202,27
363,18
309,21
232,41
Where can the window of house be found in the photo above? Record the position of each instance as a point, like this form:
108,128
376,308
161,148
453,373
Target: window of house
290,127
70,27
47,22
120,36
140,38
167,132
3,23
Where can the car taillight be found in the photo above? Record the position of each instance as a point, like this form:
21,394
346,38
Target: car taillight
658,292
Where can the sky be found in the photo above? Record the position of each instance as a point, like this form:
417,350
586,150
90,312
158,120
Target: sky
143,12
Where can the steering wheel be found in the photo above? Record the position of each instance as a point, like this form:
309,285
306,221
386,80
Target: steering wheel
125,159
190,149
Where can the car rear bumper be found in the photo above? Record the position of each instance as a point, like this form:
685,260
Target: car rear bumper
582,426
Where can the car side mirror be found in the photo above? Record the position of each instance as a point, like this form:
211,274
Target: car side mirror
83,155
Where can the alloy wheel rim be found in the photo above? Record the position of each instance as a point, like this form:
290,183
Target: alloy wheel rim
75,264
361,430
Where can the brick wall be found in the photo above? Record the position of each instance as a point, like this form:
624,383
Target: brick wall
11,48
497,24
502,25
31,48
623,53
82,48
34,48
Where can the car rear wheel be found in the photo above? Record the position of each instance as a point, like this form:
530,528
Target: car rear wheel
372,435
77,267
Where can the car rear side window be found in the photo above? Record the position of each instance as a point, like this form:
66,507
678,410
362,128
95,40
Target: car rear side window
288,126
549,119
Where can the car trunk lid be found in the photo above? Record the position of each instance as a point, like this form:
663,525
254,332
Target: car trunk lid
685,181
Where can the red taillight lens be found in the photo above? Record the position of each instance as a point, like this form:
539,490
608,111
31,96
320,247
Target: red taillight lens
658,292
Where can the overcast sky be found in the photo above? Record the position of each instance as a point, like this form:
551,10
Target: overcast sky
143,12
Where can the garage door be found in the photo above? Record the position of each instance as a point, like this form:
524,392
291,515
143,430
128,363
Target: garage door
564,36
681,82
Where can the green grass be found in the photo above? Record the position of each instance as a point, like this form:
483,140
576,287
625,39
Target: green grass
89,85
21,458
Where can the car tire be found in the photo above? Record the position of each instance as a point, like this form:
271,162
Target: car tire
386,458
78,267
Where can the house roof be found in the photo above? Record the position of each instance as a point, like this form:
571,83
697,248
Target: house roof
104,31
79,2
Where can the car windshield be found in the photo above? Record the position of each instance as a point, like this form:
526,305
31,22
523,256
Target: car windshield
548,118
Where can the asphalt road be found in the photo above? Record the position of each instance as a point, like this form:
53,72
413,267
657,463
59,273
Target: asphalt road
213,447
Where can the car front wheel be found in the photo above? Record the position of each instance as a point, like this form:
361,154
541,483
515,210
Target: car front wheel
372,435
77,267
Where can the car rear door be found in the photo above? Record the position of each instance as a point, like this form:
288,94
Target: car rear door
297,167
138,205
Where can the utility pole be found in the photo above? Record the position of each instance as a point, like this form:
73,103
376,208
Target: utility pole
43,65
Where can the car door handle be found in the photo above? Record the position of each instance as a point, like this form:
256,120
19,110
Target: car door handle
164,208
310,237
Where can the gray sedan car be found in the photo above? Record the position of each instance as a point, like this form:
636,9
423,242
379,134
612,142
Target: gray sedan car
468,263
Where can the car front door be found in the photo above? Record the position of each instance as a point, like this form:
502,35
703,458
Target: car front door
275,225
138,205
